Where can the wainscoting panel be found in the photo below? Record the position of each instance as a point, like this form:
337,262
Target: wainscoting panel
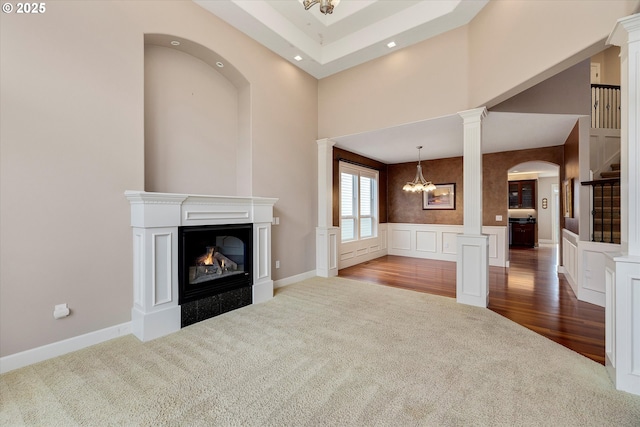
138,269
161,273
426,241
400,240
493,246
583,265
333,255
352,253
344,256
593,270
471,271
592,258
609,312
436,241
570,259
262,254
449,243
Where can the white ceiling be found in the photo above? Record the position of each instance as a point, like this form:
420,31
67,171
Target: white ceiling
443,137
358,31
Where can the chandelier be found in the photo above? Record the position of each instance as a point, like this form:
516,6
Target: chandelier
326,6
419,184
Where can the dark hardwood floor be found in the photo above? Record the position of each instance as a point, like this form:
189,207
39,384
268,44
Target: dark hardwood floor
530,292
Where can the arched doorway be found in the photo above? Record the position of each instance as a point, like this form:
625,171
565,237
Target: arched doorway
536,203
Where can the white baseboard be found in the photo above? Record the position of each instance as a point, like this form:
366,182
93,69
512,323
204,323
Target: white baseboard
293,279
49,351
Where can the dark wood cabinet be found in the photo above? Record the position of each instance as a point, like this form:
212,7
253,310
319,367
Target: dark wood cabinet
523,234
522,194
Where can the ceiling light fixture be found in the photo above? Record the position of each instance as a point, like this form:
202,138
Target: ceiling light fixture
419,184
326,6
391,44
298,58
219,64
175,43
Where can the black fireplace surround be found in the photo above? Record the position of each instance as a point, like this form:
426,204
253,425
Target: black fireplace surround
214,270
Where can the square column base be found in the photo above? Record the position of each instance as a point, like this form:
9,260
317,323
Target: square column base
149,326
622,336
327,251
263,291
472,270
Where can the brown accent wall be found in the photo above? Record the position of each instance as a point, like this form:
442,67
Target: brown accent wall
572,171
339,154
495,167
398,206
406,207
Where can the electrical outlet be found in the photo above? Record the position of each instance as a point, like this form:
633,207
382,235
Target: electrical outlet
277,264
498,217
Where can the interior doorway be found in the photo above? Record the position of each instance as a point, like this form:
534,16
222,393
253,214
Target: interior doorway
536,209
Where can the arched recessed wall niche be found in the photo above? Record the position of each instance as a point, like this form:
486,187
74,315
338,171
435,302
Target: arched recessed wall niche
196,120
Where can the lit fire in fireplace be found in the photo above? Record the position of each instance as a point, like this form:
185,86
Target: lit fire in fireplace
212,262
206,259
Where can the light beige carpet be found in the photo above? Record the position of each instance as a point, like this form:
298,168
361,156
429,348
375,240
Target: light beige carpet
325,352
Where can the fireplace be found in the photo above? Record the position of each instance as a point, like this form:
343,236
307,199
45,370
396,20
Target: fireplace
197,256
214,270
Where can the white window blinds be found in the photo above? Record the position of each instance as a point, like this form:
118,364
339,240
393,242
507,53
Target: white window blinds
358,202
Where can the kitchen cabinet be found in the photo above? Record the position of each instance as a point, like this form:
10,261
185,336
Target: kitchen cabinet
522,234
522,194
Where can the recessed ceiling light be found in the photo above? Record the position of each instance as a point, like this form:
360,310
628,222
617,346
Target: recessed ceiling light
298,58
219,64
391,44
175,43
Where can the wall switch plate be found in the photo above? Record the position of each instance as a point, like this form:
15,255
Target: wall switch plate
498,217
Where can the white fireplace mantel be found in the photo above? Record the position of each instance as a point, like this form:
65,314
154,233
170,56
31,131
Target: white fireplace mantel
155,218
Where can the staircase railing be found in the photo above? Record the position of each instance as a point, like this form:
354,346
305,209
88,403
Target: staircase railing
600,204
605,106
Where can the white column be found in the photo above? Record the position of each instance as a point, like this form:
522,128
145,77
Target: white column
472,268
622,310
326,233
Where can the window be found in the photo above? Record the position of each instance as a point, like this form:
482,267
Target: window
358,202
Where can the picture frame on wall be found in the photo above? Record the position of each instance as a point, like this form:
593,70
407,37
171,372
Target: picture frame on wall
443,197
567,197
